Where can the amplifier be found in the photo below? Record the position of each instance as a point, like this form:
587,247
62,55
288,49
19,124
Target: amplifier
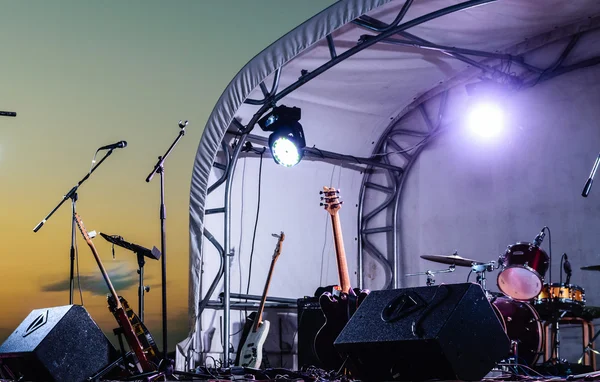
310,320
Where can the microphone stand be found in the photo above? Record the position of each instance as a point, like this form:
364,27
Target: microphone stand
72,194
588,184
160,169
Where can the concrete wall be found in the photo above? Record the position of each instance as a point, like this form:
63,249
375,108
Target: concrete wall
478,196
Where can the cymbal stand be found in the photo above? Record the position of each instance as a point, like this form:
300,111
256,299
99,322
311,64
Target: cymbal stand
480,270
555,355
430,274
590,348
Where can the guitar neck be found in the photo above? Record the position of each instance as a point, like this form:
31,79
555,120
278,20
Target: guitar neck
261,308
112,290
338,239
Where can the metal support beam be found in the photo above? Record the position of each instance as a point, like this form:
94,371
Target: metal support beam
267,94
316,153
358,48
371,23
331,46
241,296
217,305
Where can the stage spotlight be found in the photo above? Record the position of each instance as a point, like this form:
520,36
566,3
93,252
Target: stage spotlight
486,119
287,138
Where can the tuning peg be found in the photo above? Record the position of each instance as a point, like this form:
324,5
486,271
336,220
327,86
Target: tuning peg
320,192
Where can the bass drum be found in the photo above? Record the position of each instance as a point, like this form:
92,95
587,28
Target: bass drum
523,326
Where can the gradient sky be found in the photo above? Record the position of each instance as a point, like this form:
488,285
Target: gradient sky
83,74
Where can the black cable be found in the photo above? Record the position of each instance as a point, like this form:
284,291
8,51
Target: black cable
550,249
469,275
255,222
78,280
562,258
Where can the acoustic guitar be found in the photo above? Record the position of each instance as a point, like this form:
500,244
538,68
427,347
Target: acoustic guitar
340,305
138,338
251,353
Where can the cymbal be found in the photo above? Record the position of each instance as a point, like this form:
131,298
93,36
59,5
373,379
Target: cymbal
591,268
452,259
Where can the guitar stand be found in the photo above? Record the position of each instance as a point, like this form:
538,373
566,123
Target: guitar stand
123,358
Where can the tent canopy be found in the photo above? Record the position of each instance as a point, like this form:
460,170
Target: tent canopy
381,84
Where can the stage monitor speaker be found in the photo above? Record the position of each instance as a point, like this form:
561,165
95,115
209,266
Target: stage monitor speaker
57,344
310,320
447,332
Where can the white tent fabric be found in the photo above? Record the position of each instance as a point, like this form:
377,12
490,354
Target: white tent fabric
447,203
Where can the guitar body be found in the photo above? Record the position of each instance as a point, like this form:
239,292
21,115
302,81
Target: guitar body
337,311
251,354
126,317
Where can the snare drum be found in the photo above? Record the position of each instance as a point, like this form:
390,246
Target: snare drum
523,267
557,297
523,326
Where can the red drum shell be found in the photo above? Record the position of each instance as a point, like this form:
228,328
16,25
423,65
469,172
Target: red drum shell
523,325
522,271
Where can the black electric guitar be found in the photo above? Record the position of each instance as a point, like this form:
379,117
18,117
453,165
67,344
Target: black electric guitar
340,305
137,336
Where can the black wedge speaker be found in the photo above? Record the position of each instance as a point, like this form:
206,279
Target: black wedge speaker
444,332
57,344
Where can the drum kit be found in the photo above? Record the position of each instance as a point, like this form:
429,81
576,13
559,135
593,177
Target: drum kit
524,302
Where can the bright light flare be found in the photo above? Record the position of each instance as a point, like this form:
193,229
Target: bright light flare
486,120
285,152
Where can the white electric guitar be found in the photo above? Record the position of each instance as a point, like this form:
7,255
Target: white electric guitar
251,353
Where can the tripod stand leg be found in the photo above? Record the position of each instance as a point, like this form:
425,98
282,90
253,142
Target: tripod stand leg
589,347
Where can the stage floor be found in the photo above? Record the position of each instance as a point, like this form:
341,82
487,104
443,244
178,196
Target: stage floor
507,373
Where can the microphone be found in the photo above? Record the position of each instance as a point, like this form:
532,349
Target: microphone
539,238
567,268
118,145
588,184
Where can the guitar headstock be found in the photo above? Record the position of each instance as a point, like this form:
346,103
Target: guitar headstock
331,201
84,232
281,238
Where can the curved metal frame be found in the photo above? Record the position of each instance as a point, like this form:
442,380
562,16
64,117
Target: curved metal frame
396,175
573,31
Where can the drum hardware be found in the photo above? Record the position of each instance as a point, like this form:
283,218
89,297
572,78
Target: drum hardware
555,334
480,270
523,327
430,274
453,259
588,348
591,268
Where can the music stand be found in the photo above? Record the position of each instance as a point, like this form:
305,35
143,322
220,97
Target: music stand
141,252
